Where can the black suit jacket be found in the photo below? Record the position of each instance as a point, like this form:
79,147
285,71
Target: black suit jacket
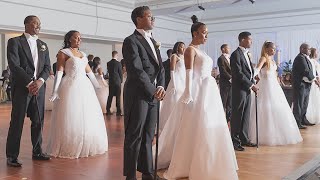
115,72
21,62
301,68
166,66
142,68
225,70
240,71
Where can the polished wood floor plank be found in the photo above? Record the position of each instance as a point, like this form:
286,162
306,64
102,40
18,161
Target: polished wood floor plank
266,163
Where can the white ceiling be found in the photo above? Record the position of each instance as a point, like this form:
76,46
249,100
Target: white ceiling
184,8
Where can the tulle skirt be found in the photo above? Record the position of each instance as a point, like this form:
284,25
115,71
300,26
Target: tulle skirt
77,126
276,123
197,142
313,112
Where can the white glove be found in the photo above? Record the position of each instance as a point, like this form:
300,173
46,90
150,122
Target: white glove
103,81
186,97
57,82
173,90
93,80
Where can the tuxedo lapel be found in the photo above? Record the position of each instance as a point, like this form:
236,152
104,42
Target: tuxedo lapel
40,55
26,49
146,45
157,51
226,62
244,58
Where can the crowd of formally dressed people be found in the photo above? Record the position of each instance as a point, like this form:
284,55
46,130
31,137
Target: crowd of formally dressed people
201,122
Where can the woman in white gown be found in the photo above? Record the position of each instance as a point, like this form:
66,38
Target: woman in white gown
313,113
276,123
103,92
77,125
203,148
48,105
176,85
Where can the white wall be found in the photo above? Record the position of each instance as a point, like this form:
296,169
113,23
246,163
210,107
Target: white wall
112,24
288,23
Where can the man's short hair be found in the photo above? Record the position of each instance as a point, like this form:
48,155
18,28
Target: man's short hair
114,53
138,12
244,35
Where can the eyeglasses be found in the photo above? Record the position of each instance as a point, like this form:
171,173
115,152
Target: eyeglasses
152,18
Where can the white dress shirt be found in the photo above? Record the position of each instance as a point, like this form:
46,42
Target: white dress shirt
147,35
32,41
227,56
245,52
305,79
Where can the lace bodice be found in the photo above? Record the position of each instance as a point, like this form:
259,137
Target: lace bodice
202,65
75,66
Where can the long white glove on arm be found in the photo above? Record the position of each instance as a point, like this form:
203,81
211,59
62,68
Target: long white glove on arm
93,80
103,80
173,82
186,97
57,82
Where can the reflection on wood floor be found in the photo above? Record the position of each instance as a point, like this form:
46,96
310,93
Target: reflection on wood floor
266,163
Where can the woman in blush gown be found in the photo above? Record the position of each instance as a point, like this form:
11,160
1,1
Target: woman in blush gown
176,85
203,148
48,105
103,92
77,126
277,125
313,113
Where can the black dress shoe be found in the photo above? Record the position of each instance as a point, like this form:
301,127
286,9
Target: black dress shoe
150,177
249,144
13,162
131,178
238,148
302,127
109,113
307,123
40,156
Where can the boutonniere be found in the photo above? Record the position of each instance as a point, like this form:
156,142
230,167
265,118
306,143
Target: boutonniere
43,47
250,55
158,45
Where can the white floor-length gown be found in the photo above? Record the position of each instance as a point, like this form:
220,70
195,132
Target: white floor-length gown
202,148
276,123
171,98
77,126
49,86
313,112
103,92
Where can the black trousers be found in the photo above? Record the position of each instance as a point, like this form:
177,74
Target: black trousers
114,90
23,103
241,103
139,123
300,102
226,97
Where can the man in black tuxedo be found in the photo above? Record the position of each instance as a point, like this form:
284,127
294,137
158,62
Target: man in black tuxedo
28,59
143,89
90,60
302,76
242,83
166,66
225,79
115,79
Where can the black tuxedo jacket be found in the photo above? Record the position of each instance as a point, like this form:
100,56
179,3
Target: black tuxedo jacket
225,70
21,62
144,73
301,68
115,72
241,76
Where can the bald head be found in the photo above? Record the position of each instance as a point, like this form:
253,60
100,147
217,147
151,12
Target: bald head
305,49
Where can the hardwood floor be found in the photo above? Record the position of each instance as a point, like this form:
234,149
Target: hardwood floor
266,163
